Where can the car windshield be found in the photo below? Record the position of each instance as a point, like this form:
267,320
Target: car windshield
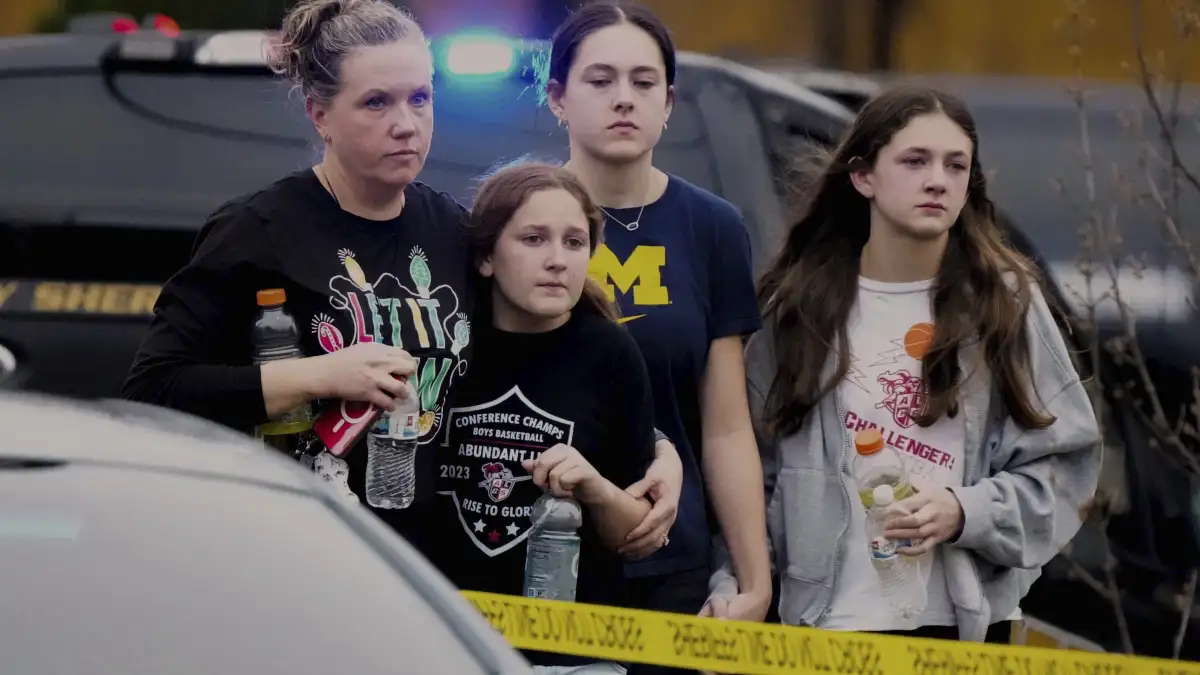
165,149
148,572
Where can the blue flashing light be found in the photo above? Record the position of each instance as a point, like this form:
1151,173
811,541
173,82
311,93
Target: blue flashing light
480,54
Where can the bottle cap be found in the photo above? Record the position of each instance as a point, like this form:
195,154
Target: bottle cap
883,495
868,442
269,297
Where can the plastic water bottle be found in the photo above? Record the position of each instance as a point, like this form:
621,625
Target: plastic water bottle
275,338
392,454
877,464
899,575
552,552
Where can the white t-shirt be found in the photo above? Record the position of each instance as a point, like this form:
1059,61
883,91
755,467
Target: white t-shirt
890,328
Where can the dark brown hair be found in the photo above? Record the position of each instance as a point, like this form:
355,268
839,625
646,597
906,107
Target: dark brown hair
317,35
595,16
506,190
809,290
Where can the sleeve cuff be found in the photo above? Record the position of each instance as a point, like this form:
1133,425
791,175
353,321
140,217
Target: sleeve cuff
244,397
976,522
743,326
722,582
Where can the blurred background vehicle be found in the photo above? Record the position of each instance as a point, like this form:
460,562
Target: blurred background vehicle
139,540
130,131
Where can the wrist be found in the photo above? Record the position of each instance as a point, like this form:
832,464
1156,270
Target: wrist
296,377
756,585
596,492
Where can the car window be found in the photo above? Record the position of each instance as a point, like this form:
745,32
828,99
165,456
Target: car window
170,148
130,570
794,135
479,125
125,163
746,178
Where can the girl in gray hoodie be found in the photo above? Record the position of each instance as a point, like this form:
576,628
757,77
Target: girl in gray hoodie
897,306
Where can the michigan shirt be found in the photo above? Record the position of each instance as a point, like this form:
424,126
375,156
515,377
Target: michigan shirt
682,279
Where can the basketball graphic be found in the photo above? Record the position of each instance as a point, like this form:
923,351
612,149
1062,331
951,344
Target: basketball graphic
917,340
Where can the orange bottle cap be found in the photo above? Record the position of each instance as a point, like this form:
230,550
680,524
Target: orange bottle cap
868,442
270,297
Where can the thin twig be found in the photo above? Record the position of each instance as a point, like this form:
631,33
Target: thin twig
1146,80
1096,241
1110,576
1081,573
1188,600
1172,227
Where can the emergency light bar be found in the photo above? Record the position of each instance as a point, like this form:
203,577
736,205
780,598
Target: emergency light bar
475,55
478,54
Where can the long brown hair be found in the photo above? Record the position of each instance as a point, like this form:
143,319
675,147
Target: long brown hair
809,290
505,191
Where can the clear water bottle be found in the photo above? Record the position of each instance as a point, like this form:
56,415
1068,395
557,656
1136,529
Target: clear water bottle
392,454
877,464
275,338
899,575
552,552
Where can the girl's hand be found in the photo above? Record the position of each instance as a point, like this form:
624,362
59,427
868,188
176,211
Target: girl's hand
929,518
364,372
565,472
663,483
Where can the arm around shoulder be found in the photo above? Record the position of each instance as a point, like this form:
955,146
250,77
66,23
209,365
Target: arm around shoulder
1042,480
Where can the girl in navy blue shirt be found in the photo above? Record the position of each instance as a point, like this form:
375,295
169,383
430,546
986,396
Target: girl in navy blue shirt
676,259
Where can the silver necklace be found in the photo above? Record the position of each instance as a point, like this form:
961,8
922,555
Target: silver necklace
631,226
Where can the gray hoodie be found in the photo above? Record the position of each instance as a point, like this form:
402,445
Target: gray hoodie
1023,494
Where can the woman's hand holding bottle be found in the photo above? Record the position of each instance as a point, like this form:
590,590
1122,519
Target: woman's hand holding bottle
364,372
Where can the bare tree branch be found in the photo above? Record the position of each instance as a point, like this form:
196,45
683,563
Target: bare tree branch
1187,600
1146,81
1110,577
1129,383
1172,227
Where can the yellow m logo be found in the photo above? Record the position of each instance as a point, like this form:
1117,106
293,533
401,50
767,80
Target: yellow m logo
643,268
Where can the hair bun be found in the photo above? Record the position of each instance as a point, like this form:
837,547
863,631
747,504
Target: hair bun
299,34
317,35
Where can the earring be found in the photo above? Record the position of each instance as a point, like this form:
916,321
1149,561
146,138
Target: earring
328,138
562,122
664,126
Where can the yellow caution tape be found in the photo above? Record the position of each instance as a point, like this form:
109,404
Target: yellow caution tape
744,648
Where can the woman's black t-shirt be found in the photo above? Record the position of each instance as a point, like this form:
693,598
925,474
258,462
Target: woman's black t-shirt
405,282
584,385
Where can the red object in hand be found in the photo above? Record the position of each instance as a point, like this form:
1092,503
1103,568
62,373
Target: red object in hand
341,425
